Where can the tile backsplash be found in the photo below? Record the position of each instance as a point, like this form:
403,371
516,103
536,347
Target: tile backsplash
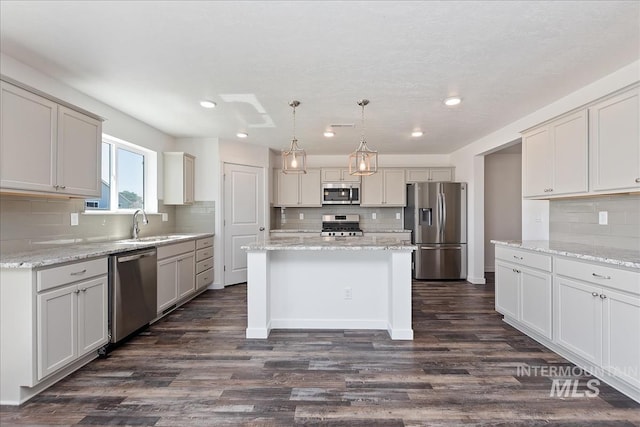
576,220
289,218
28,223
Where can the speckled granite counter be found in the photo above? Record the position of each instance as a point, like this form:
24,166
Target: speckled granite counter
330,244
621,257
68,253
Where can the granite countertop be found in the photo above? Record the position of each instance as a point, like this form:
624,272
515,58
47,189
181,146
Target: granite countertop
608,255
68,253
330,244
284,230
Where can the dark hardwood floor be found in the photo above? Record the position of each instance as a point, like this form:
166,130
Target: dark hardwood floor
195,368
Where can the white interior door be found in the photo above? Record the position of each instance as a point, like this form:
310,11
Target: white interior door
244,214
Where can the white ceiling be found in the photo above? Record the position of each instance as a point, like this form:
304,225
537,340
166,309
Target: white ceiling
155,60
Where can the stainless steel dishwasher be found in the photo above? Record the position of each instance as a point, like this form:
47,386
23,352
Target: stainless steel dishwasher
133,292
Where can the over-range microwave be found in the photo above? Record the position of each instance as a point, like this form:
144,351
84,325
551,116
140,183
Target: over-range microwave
340,193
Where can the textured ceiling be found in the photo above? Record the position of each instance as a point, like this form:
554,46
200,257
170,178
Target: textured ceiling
156,60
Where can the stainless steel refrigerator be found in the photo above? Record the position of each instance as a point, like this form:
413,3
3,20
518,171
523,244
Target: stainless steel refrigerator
436,214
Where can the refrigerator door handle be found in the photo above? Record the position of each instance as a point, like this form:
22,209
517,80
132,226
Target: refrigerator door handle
439,248
444,214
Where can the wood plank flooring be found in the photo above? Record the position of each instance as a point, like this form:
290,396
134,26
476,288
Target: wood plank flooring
195,368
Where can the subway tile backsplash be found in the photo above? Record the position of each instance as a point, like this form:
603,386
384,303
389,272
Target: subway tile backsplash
289,218
29,222
576,220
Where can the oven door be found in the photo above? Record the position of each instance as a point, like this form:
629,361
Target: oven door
340,194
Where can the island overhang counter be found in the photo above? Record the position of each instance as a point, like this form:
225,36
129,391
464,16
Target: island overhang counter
329,283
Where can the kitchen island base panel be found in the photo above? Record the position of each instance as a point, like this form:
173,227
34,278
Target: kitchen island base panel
329,289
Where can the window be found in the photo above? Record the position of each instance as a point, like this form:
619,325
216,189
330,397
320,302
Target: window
124,168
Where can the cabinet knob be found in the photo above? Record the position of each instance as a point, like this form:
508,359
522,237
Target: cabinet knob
261,229
603,296
77,291
637,179
84,289
595,294
63,186
517,257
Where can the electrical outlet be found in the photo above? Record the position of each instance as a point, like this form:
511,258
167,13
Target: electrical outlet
603,217
301,215
373,215
74,218
397,215
165,217
348,294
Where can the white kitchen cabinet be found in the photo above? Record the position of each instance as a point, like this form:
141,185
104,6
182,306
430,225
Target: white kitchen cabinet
614,131
338,175
179,178
176,273
204,262
436,174
524,288
298,190
385,188
46,147
598,312
72,321
555,160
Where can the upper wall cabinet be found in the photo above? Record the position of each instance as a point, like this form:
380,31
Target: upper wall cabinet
179,178
615,143
384,188
338,175
555,157
429,174
46,147
297,190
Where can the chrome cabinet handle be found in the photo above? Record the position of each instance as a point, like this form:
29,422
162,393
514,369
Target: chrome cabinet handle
603,296
600,276
77,291
78,273
595,294
516,271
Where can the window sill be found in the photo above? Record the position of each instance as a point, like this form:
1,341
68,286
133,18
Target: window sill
121,212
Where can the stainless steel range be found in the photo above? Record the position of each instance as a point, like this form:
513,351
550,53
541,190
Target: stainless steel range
341,225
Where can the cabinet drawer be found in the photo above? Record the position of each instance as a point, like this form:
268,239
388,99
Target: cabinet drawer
204,279
599,274
524,257
204,265
56,276
204,243
176,249
203,254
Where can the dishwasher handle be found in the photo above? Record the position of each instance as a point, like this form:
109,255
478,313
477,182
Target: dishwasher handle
136,256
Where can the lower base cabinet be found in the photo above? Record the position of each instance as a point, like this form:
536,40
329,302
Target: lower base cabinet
588,312
176,273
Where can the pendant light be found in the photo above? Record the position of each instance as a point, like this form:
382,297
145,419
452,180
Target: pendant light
294,160
363,161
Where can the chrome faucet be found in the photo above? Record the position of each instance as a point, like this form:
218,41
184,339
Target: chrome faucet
136,229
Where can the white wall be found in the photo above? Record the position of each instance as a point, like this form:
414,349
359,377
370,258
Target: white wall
502,201
116,123
469,169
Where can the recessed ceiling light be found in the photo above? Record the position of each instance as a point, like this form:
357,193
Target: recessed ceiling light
242,135
452,101
207,104
329,134
417,133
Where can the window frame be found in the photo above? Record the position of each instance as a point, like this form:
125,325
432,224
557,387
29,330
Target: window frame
147,156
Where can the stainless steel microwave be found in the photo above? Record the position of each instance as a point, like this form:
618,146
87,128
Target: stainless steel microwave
340,193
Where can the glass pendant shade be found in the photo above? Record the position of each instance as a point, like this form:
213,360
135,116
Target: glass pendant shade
295,159
363,161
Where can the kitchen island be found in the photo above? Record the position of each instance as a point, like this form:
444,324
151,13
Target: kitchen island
329,283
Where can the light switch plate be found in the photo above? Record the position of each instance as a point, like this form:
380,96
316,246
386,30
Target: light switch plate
373,215
301,215
165,217
397,215
74,218
603,217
